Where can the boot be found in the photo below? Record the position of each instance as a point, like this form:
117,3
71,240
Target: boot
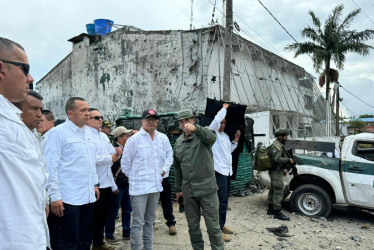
172,230
280,216
102,247
227,230
225,238
270,210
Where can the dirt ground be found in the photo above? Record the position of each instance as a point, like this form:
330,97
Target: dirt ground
344,229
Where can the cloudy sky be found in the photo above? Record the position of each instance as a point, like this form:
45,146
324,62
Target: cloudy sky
44,26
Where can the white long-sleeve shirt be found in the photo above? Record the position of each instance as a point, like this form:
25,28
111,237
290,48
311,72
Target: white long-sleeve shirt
104,151
144,160
23,223
223,147
71,162
44,138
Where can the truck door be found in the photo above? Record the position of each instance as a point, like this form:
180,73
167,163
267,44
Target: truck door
358,172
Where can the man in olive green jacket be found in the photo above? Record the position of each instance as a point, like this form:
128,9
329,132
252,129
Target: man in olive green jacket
195,179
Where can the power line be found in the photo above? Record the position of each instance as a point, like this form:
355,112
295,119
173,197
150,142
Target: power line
281,25
352,102
266,44
371,2
270,46
356,97
352,108
277,21
363,11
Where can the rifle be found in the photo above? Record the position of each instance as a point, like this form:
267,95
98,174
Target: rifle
289,152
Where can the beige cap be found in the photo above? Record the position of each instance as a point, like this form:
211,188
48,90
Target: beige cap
119,131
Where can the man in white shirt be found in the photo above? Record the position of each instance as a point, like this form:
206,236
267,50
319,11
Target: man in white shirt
31,109
31,115
146,160
23,222
106,154
46,126
72,184
222,150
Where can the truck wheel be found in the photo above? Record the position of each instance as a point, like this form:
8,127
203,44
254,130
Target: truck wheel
311,200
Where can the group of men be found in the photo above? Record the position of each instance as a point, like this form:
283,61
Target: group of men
90,177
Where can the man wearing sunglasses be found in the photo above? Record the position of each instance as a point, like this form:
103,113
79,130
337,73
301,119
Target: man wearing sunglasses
106,155
23,222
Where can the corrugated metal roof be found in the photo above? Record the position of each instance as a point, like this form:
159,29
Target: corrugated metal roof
367,119
363,119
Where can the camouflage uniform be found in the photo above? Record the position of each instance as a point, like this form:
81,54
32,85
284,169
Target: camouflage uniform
280,159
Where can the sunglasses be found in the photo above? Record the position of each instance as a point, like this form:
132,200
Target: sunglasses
25,67
97,117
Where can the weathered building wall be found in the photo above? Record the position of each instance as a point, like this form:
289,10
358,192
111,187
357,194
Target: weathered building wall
132,71
171,70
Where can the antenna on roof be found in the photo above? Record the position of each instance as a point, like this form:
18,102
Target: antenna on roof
191,14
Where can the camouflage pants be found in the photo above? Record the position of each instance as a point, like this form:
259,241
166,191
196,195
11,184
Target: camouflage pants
275,195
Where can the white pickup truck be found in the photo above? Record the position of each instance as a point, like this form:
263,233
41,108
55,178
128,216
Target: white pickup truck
323,181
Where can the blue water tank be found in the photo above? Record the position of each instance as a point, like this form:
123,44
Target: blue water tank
103,26
90,27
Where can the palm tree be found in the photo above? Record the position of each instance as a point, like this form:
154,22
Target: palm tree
332,43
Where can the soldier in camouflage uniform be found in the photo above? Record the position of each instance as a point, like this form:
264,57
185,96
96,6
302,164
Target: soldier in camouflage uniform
281,161
196,181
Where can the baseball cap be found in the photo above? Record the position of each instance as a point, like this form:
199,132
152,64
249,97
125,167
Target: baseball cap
119,131
148,113
106,124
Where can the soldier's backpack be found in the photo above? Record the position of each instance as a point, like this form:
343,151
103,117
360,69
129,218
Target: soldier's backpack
263,159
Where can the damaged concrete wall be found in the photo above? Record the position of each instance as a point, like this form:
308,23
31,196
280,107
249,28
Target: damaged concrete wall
166,71
129,70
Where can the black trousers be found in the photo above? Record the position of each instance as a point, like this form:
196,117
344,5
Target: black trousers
166,203
102,208
223,183
73,231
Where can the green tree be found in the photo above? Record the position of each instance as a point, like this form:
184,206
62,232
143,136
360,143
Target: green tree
366,116
333,41
358,125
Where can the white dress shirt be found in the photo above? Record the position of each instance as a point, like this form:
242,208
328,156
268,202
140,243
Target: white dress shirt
71,162
23,223
223,147
104,151
44,138
144,160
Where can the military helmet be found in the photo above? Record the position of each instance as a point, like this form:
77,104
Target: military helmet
281,131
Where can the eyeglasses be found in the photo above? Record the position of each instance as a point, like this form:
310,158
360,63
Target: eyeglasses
97,117
25,67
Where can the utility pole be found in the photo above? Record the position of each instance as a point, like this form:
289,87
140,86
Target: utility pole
227,58
328,109
337,109
191,14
